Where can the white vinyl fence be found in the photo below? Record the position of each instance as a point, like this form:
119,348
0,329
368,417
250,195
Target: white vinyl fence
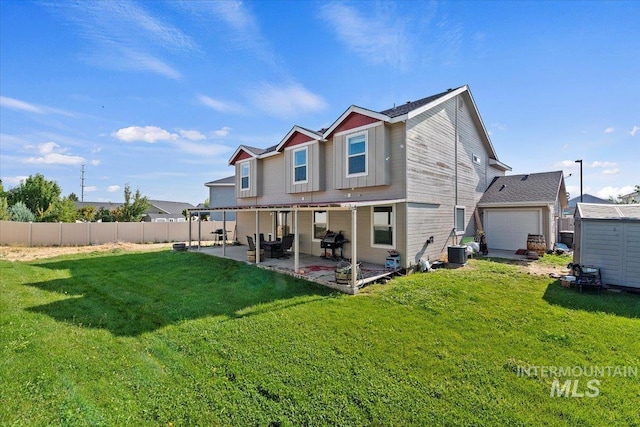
96,233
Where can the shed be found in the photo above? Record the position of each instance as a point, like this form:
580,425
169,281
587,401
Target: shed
608,237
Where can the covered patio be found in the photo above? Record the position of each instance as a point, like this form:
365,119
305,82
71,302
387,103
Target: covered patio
308,267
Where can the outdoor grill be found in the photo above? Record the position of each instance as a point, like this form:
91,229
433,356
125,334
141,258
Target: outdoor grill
332,241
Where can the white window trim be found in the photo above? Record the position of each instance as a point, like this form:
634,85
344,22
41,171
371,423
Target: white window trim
248,187
306,165
394,233
366,154
455,219
313,224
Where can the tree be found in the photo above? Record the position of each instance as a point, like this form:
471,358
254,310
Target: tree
65,210
37,193
73,197
104,215
21,213
5,215
131,211
87,213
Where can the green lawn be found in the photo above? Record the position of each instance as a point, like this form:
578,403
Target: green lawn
171,338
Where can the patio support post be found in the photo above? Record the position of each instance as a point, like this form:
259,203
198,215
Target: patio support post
199,229
224,233
354,244
257,237
296,243
189,225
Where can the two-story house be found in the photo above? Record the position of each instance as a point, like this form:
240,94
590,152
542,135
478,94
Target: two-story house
406,179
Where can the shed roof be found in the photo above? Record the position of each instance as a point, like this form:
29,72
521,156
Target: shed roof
618,212
535,188
230,180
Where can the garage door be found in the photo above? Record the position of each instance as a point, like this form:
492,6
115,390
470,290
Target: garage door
509,229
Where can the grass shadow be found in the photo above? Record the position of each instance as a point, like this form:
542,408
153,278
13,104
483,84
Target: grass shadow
619,304
130,294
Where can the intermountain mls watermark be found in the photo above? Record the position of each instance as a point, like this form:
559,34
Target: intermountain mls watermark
573,385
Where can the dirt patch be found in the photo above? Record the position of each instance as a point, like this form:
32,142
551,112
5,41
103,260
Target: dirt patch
11,253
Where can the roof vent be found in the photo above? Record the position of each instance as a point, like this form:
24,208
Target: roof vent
524,178
503,187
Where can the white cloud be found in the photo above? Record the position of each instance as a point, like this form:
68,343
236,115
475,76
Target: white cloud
113,188
286,101
220,133
16,104
95,162
566,164
377,38
13,180
121,36
90,188
598,164
607,192
192,135
615,171
202,149
51,153
609,130
150,134
221,106
635,130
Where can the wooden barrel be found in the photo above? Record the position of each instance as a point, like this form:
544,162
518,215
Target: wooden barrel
536,242
251,256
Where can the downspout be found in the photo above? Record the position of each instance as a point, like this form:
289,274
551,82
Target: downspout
455,153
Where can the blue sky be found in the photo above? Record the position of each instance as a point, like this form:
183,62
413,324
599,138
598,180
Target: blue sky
159,94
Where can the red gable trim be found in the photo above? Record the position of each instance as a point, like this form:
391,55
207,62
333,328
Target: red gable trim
296,139
241,156
354,120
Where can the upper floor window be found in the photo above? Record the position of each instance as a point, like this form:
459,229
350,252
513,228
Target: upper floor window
383,225
357,154
300,166
459,219
244,176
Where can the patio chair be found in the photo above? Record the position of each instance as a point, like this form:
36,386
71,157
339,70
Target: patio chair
252,245
287,243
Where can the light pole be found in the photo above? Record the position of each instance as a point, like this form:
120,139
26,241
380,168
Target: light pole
580,161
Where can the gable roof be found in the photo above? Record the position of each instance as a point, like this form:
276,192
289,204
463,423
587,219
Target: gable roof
390,115
525,190
599,211
222,182
587,198
169,207
299,130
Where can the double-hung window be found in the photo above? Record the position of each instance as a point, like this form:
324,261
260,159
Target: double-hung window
320,224
357,155
383,224
244,175
300,163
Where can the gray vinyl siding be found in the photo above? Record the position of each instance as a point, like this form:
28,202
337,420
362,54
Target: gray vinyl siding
254,181
435,166
273,187
378,167
220,196
315,170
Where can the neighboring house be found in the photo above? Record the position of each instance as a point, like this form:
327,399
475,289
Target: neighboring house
158,210
515,206
630,198
586,198
406,179
163,211
222,192
608,237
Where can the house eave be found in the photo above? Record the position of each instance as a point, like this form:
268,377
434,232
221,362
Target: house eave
532,204
499,165
354,109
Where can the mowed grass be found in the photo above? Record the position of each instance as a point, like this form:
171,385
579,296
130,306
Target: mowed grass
168,338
